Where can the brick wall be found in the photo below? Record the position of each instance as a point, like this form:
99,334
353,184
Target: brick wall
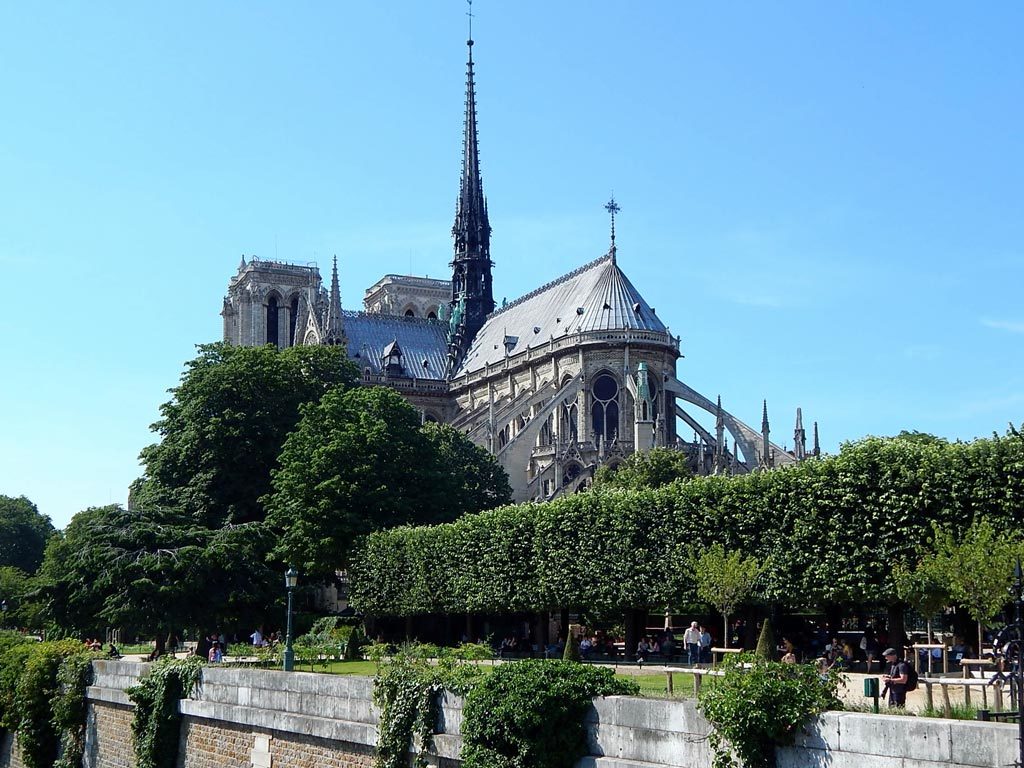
108,739
210,744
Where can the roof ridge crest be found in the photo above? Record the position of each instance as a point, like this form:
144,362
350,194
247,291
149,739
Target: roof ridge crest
547,286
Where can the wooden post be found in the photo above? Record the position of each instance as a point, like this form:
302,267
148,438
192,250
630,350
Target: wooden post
670,685
947,709
984,697
945,660
998,696
928,701
967,694
697,677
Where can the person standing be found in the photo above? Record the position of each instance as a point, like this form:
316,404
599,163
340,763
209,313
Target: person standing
896,679
691,639
705,646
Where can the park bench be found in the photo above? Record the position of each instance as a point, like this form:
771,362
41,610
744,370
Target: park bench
967,666
716,652
944,683
928,648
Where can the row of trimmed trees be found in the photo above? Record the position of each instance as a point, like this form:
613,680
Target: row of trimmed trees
839,531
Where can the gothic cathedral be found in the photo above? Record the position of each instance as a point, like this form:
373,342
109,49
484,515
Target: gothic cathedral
576,374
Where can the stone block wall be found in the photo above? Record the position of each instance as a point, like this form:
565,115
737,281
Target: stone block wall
244,718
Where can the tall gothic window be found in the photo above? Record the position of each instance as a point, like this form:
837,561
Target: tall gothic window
604,413
272,337
293,318
570,419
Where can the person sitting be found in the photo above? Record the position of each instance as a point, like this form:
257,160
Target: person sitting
113,653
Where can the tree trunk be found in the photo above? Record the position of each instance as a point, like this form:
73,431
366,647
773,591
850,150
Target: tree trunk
725,628
897,627
981,639
159,645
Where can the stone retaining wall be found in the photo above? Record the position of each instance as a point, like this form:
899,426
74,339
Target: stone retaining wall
242,718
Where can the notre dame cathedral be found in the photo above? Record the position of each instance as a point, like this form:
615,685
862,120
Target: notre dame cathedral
576,374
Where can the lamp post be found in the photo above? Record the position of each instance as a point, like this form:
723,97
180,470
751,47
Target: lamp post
291,578
3,612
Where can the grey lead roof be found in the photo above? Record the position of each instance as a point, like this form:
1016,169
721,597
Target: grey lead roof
369,335
595,297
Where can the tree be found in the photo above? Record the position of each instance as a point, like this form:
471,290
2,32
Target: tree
649,469
977,568
23,534
765,650
358,462
153,570
724,579
924,588
476,481
222,430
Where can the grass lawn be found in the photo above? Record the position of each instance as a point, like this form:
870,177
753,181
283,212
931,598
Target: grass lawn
653,686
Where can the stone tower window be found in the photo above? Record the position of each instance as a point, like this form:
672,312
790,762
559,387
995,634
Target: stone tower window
410,313
272,312
604,413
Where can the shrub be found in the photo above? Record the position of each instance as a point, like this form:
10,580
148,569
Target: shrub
530,713
756,706
765,650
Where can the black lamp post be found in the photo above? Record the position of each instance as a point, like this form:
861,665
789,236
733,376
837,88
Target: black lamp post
291,578
3,610
1009,649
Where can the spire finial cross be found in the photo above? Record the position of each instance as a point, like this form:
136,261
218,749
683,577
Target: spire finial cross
470,14
612,207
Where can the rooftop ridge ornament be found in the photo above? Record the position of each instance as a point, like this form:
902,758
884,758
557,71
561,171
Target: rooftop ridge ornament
470,14
612,207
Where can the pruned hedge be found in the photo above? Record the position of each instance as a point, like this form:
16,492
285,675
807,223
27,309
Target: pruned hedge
831,529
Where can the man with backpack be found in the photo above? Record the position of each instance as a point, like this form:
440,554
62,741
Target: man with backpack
900,678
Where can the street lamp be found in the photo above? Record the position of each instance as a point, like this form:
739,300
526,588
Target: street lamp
3,609
291,578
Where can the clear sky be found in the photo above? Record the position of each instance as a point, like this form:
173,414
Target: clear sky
822,199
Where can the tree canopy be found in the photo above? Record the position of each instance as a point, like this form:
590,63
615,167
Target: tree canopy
23,534
153,570
833,529
222,430
650,469
359,461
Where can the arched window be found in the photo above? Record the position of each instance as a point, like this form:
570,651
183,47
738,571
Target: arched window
272,337
569,428
410,313
545,433
604,413
432,315
293,317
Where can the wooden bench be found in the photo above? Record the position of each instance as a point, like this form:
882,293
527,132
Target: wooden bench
945,682
967,664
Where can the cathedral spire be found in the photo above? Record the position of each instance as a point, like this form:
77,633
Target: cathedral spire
471,264
334,332
817,446
799,437
766,457
612,207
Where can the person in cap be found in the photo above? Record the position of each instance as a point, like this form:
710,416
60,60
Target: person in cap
896,678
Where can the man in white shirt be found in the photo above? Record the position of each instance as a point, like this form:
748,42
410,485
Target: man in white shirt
691,639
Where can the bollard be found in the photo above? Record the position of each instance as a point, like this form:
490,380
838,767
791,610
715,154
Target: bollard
871,690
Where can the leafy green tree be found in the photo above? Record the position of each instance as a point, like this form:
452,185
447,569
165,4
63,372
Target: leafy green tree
358,462
222,430
977,568
924,588
476,481
724,579
155,571
649,469
15,588
23,534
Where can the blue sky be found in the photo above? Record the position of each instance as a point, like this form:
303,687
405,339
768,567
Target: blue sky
822,199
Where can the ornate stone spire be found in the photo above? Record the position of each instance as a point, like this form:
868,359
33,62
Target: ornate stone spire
799,437
766,456
471,264
334,328
817,447
612,207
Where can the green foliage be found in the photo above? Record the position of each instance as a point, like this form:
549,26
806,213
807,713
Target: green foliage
651,469
23,534
572,645
756,707
223,429
358,461
470,477
14,652
153,570
69,708
765,650
530,713
406,692
724,578
36,692
156,721
832,530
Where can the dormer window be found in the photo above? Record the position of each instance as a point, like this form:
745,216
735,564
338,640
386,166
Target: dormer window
391,360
